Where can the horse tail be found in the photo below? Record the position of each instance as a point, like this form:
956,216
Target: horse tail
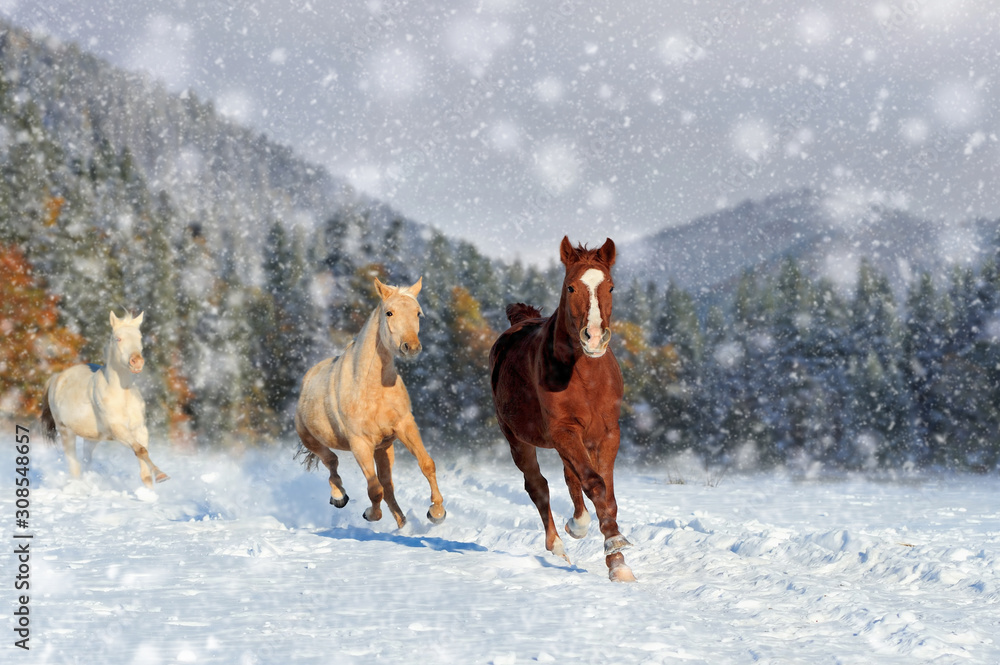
520,312
48,422
309,459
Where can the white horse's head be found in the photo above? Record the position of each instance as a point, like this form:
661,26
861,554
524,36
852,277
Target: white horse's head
125,346
399,318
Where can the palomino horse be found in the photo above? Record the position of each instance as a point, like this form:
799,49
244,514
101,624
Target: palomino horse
358,402
556,384
102,403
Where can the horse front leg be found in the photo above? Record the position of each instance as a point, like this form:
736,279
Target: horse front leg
607,453
138,441
384,458
142,437
576,526
537,487
409,436
569,445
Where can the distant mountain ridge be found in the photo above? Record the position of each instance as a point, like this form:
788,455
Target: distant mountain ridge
828,234
228,180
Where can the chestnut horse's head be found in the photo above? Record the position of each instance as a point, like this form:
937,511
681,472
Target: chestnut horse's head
399,314
125,345
586,297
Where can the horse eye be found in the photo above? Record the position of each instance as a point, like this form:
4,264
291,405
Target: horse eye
572,290
611,289
388,313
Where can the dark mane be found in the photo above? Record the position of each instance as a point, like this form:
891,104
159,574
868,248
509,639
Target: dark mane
520,312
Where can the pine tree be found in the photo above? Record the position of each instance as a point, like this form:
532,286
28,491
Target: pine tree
924,348
289,341
880,400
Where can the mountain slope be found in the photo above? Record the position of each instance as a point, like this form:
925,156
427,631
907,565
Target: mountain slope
829,234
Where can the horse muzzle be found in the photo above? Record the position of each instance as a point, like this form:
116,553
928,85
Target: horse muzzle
135,363
410,350
595,346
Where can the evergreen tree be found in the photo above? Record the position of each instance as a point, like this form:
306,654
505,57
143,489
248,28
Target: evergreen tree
288,342
924,348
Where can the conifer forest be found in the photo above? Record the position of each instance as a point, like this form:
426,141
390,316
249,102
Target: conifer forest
252,264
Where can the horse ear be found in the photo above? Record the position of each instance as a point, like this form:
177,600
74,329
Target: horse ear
415,289
137,321
384,290
115,321
566,252
606,254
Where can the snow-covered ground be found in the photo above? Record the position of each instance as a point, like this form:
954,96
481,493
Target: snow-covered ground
244,561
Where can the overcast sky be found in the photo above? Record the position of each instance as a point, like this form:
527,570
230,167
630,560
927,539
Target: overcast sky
511,123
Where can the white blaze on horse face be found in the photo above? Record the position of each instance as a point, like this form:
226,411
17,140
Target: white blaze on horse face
593,278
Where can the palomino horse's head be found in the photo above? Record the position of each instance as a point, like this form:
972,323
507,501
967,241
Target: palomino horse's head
125,346
399,318
586,297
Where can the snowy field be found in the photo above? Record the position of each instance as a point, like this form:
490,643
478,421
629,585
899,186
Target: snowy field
244,561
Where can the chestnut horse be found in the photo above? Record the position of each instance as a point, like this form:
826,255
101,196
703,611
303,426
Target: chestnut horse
358,403
556,384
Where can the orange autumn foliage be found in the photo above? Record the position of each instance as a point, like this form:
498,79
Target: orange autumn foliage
34,345
472,333
53,208
179,398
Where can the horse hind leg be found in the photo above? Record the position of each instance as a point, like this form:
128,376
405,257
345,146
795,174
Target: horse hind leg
68,437
365,455
87,459
577,525
318,451
537,487
383,464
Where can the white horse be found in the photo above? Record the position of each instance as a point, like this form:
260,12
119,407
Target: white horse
358,403
102,403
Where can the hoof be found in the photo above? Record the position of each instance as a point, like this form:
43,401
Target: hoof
578,528
436,520
560,551
161,477
340,503
371,516
615,544
621,573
